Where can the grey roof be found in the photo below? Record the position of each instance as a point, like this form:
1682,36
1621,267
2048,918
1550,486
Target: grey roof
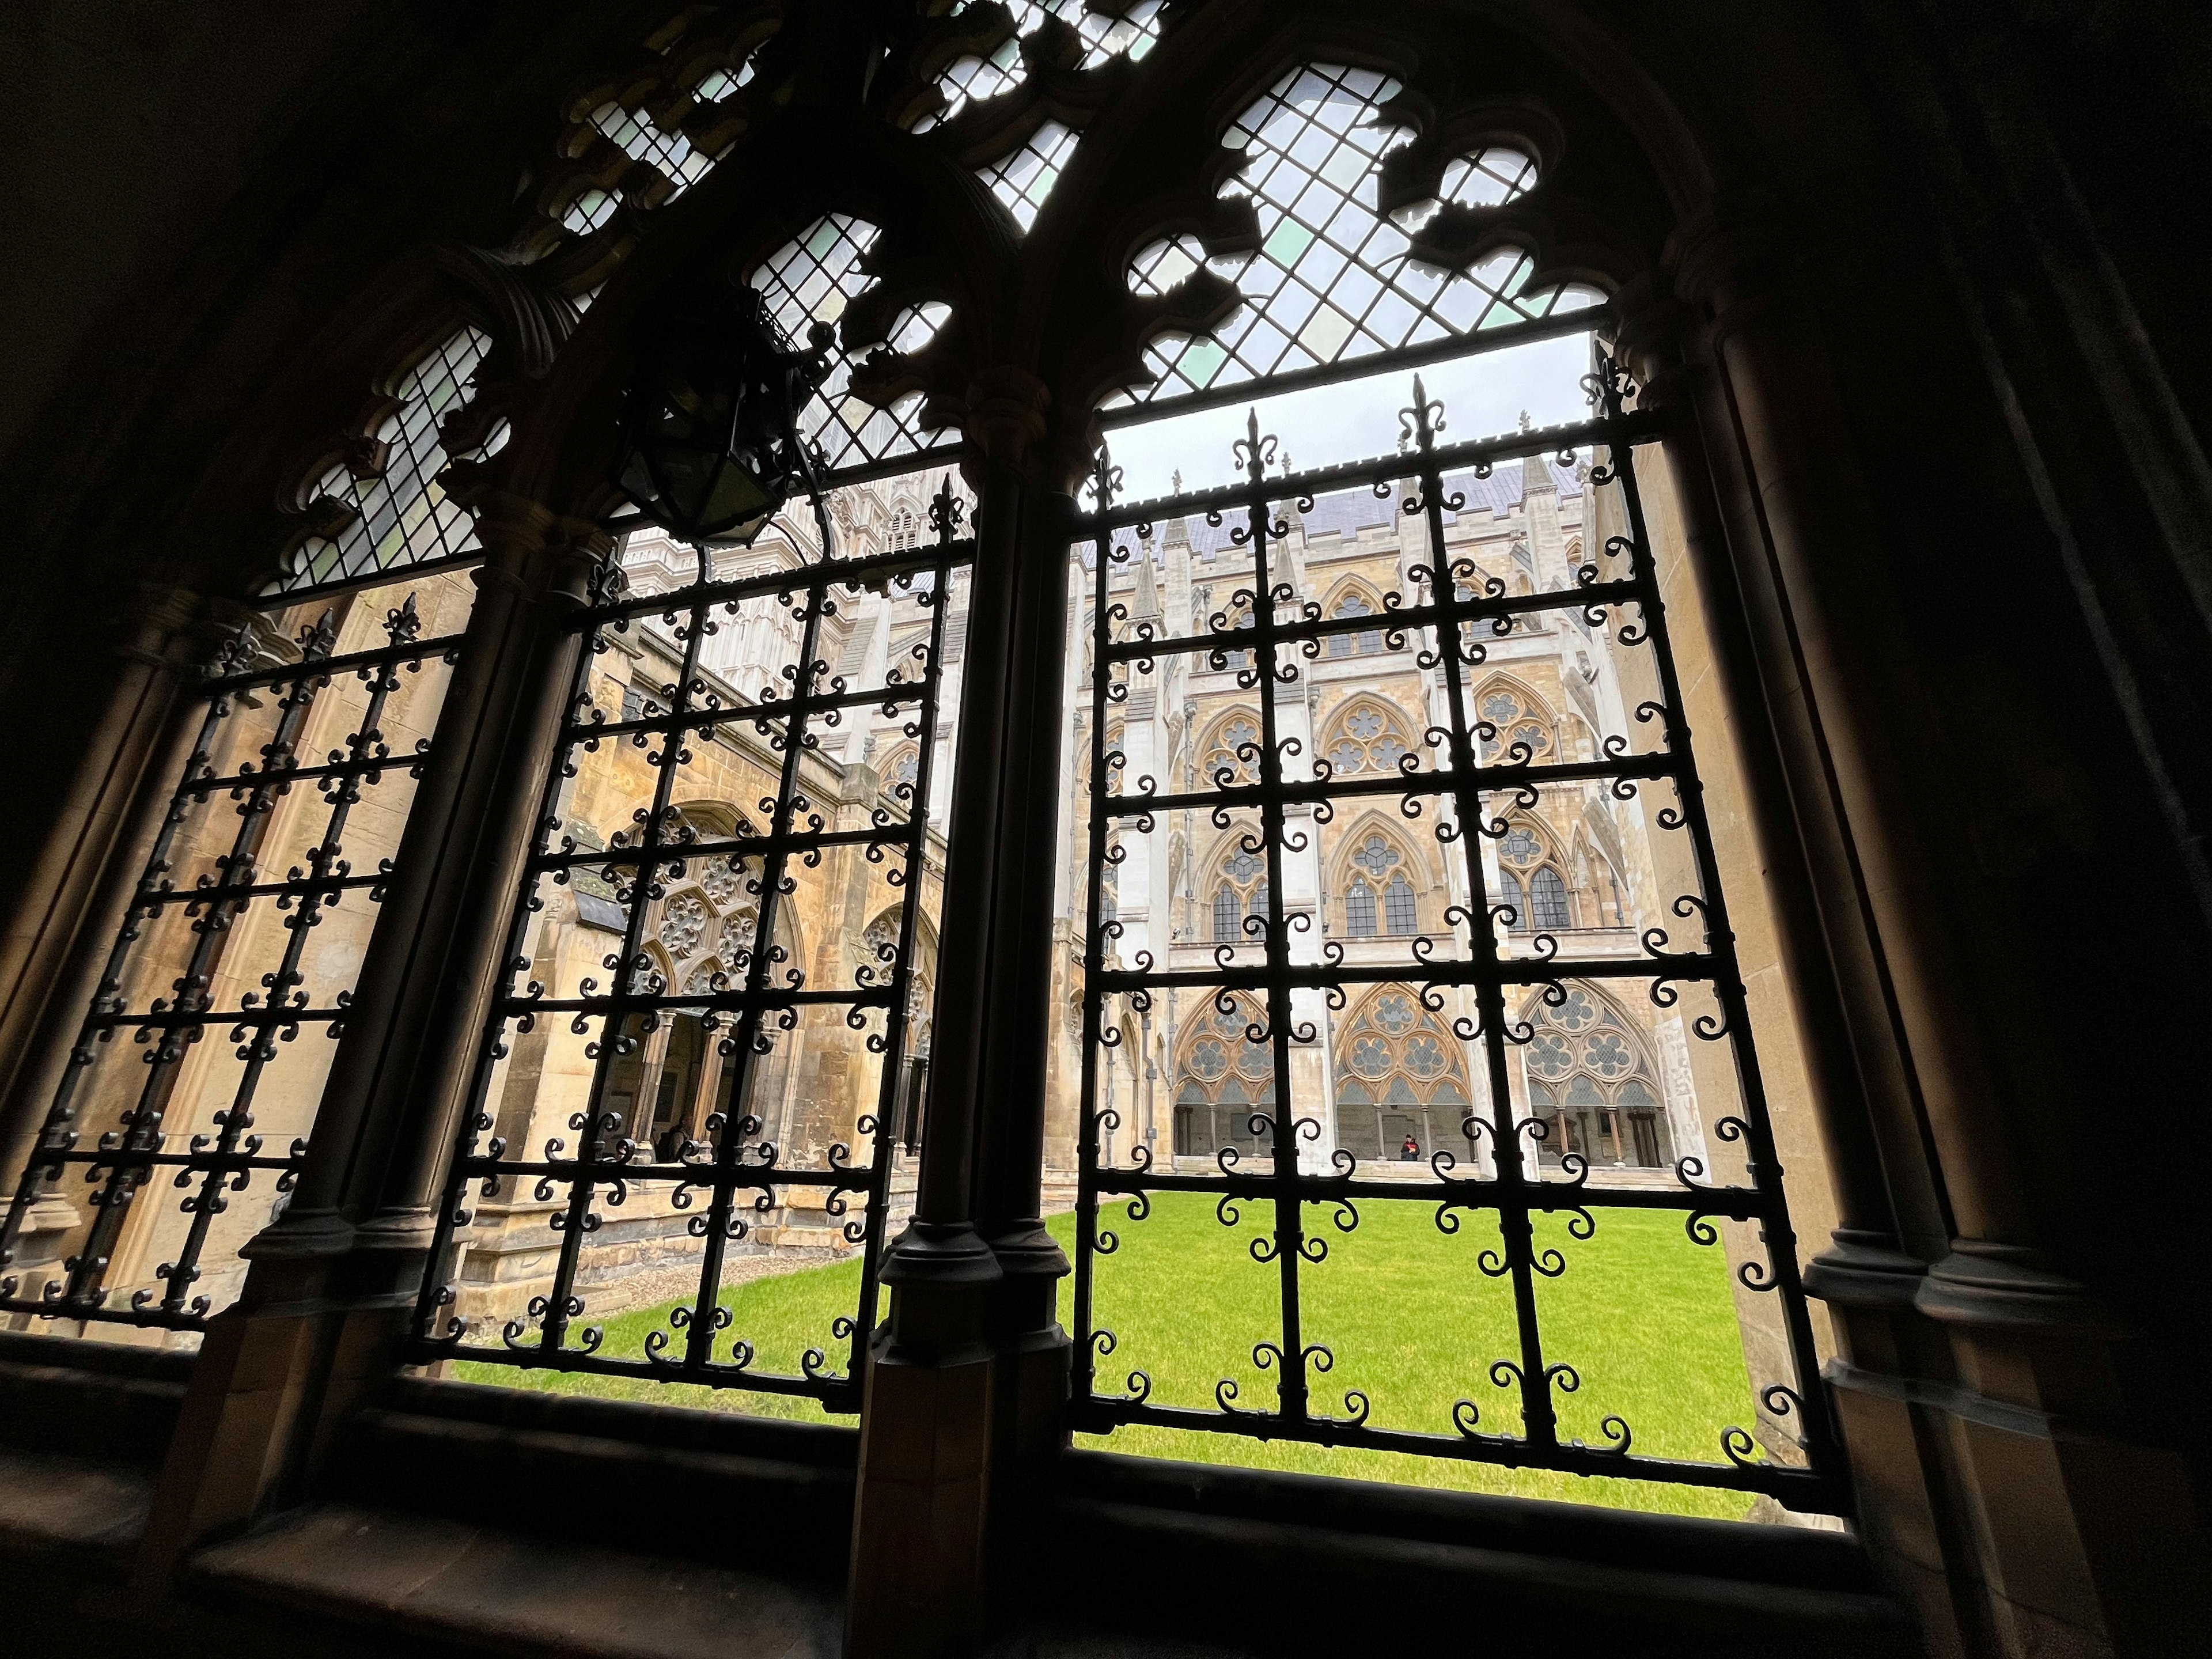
1349,512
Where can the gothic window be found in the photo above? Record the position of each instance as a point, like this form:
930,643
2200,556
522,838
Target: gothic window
398,515
1334,277
904,767
1398,910
1232,756
1547,900
1379,869
1527,866
811,279
1400,1076
1509,894
1024,179
1591,1082
1368,642
1518,729
1369,736
1222,1078
1243,892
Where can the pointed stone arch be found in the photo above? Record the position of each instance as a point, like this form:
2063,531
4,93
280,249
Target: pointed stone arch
1401,1073
1593,1080
1518,714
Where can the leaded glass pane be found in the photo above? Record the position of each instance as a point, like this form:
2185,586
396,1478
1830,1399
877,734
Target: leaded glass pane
1333,278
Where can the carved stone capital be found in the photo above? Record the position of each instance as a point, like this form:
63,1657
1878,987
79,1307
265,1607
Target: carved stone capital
1004,413
150,624
533,551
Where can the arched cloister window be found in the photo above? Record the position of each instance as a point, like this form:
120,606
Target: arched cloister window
1240,890
1222,1079
1378,890
1400,1076
1228,753
1354,601
1591,1082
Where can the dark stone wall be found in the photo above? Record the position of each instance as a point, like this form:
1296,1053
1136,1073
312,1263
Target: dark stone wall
202,186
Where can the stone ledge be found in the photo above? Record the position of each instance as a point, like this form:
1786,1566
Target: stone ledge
453,1581
52,1505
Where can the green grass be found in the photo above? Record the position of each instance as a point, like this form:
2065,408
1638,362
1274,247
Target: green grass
1644,1315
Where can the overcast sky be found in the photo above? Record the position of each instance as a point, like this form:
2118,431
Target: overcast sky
1482,396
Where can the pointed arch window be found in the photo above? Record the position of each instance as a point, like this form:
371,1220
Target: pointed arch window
1399,913
1547,900
1517,731
1401,1077
1527,865
1227,914
1367,643
1591,1082
1369,736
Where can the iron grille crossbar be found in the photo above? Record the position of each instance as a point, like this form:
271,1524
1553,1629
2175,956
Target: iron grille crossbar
726,1163
1640,768
1475,455
299,887
873,570
714,715
1736,1203
1424,970
1222,642
1798,1489
1277,629
223,1162
411,652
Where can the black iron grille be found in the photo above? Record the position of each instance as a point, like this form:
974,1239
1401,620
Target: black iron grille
301,765
708,1011
1496,981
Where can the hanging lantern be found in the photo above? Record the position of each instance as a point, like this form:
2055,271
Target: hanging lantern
712,444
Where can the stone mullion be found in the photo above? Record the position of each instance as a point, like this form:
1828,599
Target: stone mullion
325,1298
56,947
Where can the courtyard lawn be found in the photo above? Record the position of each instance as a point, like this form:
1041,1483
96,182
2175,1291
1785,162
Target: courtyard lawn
1644,1317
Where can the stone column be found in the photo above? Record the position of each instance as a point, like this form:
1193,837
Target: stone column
2000,1484
59,939
333,1280
967,1376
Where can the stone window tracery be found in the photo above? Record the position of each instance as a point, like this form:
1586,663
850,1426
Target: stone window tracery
398,515
1521,729
1529,880
1368,736
1231,756
1241,892
1378,890
1399,1074
1592,1082
1222,1078
1368,642
811,279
